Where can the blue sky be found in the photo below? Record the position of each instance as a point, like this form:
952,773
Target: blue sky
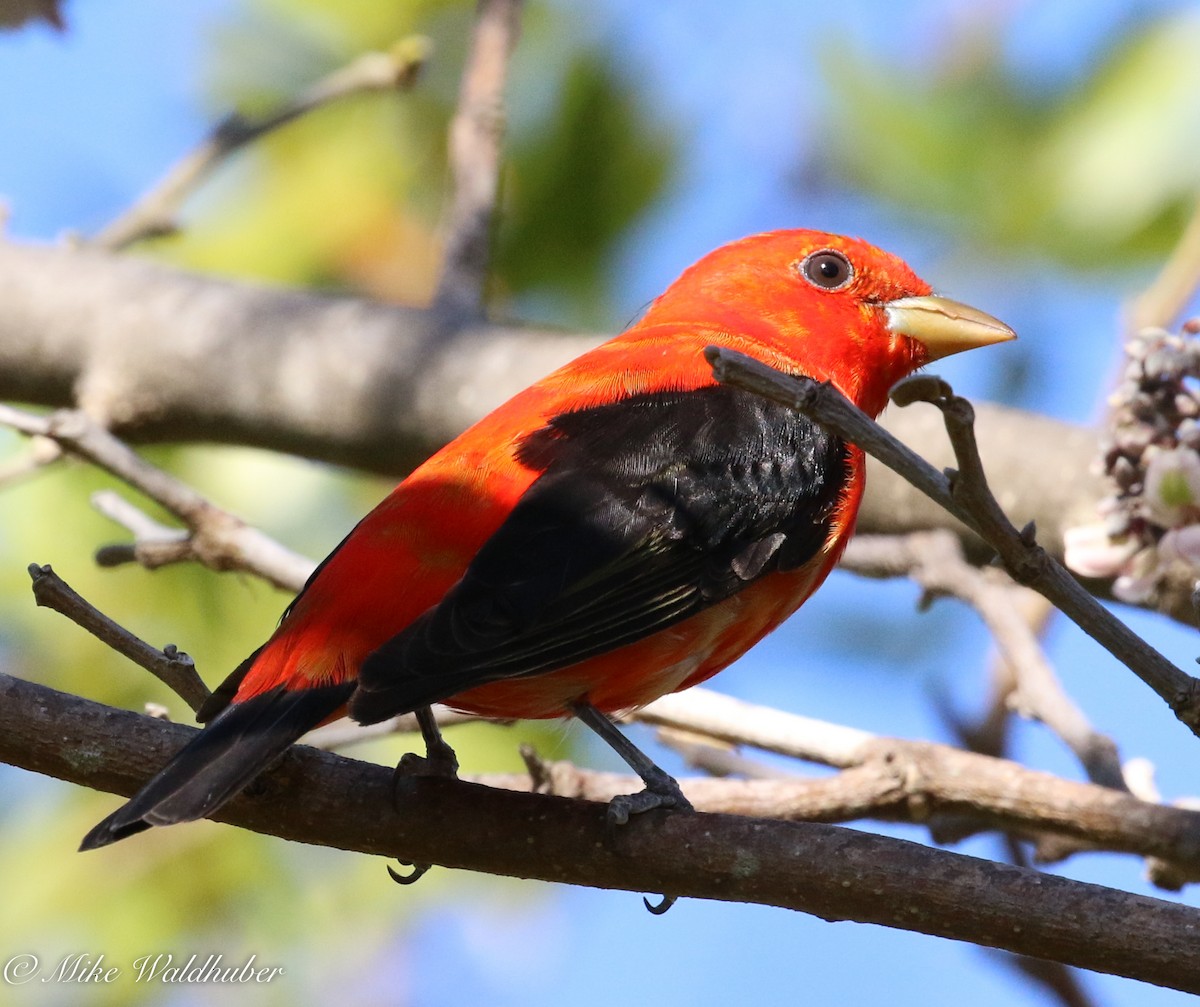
93,115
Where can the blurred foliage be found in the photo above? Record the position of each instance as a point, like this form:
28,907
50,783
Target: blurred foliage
573,186
1094,177
350,197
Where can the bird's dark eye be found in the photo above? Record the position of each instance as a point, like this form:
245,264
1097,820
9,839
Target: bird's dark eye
828,270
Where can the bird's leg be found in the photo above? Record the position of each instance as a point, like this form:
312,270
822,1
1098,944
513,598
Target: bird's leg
661,789
439,758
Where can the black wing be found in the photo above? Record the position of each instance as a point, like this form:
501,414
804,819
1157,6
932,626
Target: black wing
648,511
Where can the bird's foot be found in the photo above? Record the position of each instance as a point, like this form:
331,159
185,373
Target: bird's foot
661,792
439,758
439,762
662,789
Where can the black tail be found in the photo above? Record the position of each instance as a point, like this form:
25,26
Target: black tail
224,757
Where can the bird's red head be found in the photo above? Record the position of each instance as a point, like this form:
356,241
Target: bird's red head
825,305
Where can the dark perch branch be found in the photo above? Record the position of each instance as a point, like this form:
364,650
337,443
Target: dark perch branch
834,873
966,497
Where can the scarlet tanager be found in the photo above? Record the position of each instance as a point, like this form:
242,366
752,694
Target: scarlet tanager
623,528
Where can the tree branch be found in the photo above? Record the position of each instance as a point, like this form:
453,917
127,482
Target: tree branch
476,138
216,538
170,666
935,561
834,873
158,354
930,783
884,777
965,494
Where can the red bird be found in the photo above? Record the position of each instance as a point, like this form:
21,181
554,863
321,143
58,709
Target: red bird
624,528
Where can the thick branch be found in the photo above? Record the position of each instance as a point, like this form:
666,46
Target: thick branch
159,354
838,874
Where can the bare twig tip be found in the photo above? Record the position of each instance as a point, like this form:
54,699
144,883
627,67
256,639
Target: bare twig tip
410,54
539,773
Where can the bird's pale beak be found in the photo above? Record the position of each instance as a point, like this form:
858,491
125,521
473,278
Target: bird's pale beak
943,326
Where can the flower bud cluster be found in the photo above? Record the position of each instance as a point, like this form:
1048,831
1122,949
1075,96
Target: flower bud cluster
1151,521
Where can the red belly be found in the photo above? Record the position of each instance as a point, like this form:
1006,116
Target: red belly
673,659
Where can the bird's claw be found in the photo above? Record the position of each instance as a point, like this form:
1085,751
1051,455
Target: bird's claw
416,874
438,764
666,795
667,902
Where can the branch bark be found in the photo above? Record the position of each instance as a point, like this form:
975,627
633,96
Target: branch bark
837,874
159,354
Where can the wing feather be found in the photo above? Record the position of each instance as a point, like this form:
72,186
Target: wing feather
647,511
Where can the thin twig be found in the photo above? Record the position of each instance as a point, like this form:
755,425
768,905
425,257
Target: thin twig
156,212
721,761
935,561
42,453
170,666
732,721
342,734
153,544
966,497
217,538
476,136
